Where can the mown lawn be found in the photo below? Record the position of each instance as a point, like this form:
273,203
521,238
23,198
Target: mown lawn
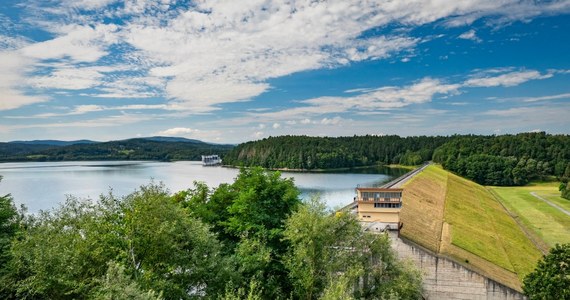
549,190
463,220
551,225
480,225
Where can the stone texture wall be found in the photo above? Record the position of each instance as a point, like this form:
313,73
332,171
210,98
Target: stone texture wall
445,279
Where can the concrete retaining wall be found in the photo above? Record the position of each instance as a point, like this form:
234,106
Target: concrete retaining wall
445,279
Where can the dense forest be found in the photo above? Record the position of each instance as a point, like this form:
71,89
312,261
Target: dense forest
132,149
304,152
488,160
252,239
507,159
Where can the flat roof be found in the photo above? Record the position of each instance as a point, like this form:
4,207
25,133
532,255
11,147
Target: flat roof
378,189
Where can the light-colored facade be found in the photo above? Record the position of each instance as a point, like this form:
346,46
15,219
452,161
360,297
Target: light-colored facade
211,160
379,205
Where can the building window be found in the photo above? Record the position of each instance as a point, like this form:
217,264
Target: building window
388,205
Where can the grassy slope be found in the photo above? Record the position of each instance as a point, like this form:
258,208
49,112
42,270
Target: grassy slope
548,223
473,227
422,212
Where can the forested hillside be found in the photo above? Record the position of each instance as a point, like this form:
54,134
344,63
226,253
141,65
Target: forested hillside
304,152
133,149
488,160
506,159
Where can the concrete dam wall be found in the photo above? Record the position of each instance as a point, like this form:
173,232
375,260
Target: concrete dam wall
446,279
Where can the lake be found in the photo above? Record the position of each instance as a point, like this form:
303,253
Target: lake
43,185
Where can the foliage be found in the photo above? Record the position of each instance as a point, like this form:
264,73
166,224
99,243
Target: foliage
64,252
10,227
506,160
329,252
551,278
133,149
248,216
304,152
252,239
564,189
490,160
254,292
116,285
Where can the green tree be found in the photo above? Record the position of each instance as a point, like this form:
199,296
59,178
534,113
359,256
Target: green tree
117,285
64,252
10,227
329,252
551,277
261,202
168,250
564,190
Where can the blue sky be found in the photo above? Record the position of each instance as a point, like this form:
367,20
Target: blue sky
233,71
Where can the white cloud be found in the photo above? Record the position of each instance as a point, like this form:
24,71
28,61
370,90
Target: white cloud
276,126
470,35
87,4
507,79
78,43
69,79
89,108
546,98
529,111
332,121
178,131
204,135
13,67
214,52
371,100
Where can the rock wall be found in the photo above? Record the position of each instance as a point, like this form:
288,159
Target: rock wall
445,279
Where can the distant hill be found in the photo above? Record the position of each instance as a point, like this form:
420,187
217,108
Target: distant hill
53,142
151,148
171,139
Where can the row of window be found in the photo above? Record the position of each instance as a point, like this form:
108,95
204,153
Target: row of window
388,205
380,195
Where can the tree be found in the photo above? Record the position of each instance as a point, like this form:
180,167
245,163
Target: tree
117,285
64,253
248,217
166,249
10,226
564,190
261,202
551,277
330,252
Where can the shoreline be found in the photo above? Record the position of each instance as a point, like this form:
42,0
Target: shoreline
390,166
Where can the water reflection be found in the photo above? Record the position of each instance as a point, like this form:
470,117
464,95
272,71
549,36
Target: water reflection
44,185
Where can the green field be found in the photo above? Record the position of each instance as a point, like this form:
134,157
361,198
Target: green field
460,219
547,222
480,225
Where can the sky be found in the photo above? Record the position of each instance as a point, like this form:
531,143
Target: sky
234,71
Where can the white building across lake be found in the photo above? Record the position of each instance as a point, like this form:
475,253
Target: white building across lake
211,160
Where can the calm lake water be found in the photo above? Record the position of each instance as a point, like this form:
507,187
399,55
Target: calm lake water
41,186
